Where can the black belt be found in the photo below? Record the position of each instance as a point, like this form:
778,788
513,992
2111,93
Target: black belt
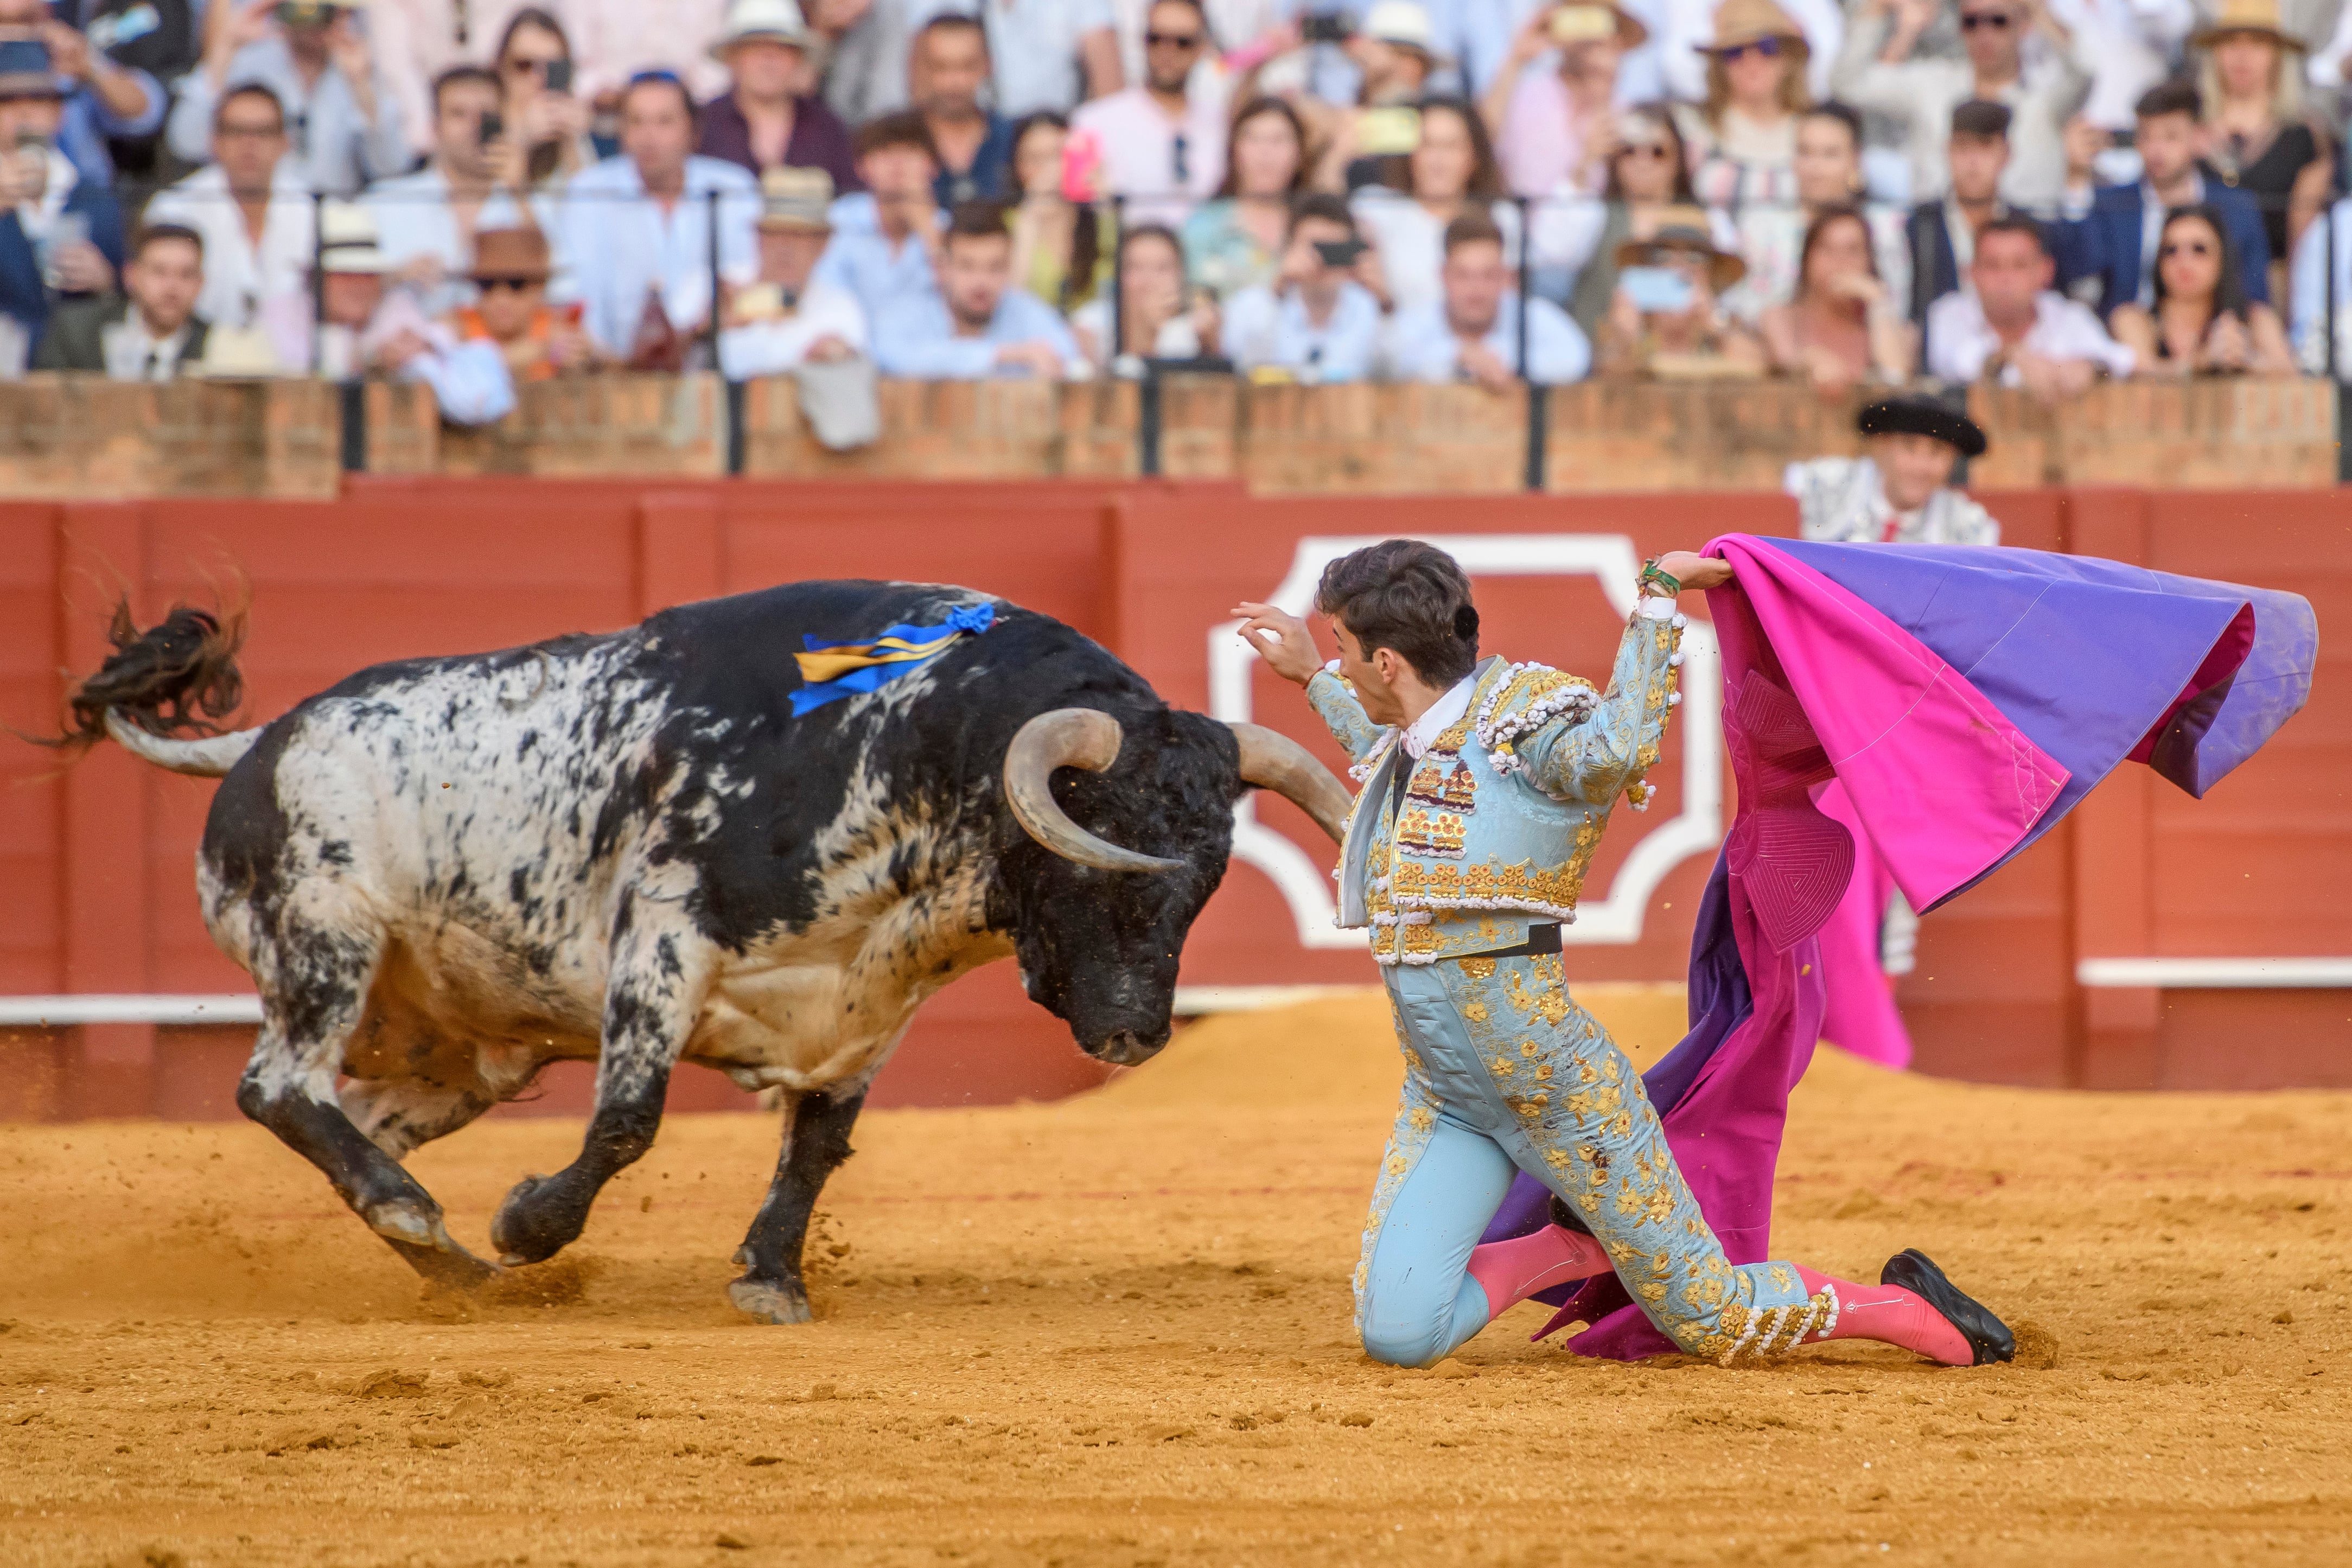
1542,938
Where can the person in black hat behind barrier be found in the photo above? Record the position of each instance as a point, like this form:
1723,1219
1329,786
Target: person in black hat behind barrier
1899,492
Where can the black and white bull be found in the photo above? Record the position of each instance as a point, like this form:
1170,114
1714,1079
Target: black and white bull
446,873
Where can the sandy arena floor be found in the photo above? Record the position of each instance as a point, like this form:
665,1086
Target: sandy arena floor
1115,1330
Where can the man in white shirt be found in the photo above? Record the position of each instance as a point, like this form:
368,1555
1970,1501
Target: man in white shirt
345,116
151,331
1472,333
252,208
789,317
1163,143
976,325
1877,71
1044,54
637,230
2011,327
427,220
1900,492
1317,322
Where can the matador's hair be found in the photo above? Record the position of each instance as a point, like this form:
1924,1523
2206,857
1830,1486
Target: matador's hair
1410,598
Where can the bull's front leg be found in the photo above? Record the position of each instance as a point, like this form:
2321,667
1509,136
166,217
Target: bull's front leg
816,1141
660,969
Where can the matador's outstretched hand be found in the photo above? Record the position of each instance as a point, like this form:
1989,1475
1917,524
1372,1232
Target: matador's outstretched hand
1281,639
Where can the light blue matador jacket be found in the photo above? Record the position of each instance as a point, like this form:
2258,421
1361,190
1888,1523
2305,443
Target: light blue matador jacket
1502,814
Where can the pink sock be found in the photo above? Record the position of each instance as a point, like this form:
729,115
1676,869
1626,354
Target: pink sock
1891,1315
1511,1271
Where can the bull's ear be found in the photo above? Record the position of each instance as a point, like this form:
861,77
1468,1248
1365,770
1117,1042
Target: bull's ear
1275,761
1084,738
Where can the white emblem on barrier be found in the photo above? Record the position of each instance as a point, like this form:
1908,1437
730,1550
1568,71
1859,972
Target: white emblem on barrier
1304,881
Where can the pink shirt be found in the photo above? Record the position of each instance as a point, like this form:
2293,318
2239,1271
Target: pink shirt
1139,153
1543,138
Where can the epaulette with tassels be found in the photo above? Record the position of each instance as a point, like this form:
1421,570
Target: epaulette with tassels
1531,696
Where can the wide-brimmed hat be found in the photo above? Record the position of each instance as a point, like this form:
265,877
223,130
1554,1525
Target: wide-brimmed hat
511,253
2245,17
1582,23
26,70
777,21
1682,227
795,198
1922,416
348,239
1738,22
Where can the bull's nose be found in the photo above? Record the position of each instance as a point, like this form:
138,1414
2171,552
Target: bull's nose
1126,1048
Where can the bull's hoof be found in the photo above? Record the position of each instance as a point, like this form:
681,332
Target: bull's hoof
539,1217
416,1233
769,1300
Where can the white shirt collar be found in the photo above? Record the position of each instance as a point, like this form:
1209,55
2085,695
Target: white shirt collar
1441,717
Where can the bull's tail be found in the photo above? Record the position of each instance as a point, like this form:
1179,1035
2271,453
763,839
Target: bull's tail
159,693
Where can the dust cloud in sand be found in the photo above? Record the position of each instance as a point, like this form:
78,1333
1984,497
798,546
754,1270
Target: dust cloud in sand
1115,1330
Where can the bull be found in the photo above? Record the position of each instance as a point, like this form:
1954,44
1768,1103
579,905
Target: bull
444,874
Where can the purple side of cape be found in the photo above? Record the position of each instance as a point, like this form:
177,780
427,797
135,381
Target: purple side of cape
2082,657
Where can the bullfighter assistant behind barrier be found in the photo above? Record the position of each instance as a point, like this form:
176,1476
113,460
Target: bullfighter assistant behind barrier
1486,785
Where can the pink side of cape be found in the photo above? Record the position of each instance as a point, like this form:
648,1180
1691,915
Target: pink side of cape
1940,779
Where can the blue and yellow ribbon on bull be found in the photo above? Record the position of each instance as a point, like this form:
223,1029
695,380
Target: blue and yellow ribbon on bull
832,671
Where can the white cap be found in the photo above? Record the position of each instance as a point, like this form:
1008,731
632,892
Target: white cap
778,21
1399,21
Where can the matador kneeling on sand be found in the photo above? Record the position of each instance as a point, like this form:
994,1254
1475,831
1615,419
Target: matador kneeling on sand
1486,787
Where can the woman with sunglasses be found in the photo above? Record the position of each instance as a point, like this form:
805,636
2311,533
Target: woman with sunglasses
544,118
1235,240
2257,135
1843,325
1744,138
2203,322
1646,174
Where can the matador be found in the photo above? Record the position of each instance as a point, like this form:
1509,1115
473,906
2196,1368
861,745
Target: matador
1486,787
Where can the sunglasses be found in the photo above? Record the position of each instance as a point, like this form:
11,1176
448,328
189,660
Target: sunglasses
1770,48
492,285
1998,21
1173,40
2184,248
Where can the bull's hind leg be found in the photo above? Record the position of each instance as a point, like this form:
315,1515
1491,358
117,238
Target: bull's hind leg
659,971
816,1141
314,982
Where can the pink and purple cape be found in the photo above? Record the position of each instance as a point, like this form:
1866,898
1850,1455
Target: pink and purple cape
1962,700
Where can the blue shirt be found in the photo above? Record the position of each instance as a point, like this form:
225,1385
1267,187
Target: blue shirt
986,179
918,339
1423,347
621,247
859,260
1262,329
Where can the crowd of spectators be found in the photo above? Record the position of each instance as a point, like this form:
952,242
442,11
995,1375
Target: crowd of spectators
472,193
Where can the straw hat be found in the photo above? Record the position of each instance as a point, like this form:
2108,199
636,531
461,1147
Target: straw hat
2245,17
1583,23
795,198
1738,22
1682,227
347,239
511,253
1401,23
777,21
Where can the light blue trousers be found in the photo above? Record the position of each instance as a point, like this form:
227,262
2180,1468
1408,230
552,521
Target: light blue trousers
1502,1071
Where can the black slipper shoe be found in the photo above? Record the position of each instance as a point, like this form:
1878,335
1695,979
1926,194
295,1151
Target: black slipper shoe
1989,1338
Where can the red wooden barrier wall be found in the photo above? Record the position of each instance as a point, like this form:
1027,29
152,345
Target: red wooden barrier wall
95,861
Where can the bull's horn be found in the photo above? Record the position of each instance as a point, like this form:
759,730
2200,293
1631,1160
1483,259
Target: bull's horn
1275,761
1068,738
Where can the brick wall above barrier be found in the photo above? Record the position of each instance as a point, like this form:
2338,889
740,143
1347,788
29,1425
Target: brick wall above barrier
76,436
